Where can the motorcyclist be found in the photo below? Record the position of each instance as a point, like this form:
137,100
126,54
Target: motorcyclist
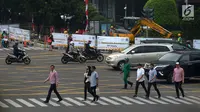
16,51
89,50
72,51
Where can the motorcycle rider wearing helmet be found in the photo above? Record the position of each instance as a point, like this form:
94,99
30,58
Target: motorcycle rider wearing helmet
16,51
89,50
72,51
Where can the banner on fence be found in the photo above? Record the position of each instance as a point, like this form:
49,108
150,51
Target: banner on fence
112,43
196,44
5,27
60,39
139,39
80,40
19,34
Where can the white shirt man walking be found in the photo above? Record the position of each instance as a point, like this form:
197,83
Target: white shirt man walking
140,79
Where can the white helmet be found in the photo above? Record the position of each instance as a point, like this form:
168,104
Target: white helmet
71,43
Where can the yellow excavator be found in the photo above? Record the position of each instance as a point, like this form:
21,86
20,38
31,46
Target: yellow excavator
138,27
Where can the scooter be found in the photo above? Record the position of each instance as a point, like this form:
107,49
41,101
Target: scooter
98,56
12,58
73,58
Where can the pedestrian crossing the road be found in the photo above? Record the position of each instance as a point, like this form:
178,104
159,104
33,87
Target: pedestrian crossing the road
26,48
104,101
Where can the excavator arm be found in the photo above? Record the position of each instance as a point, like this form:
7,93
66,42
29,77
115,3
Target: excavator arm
150,23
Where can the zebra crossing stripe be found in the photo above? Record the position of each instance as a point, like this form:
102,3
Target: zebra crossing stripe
63,102
26,103
158,100
168,100
38,102
179,100
110,101
132,100
12,103
99,101
144,100
191,100
74,101
196,98
3,105
6,49
88,102
121,100
50,102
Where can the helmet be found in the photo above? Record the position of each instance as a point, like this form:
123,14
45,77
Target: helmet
111,27
126,59
179,34
103,31
71,43
16,43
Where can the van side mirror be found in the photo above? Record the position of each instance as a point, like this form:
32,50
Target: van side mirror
132,52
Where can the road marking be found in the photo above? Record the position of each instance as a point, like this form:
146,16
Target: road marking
63,102
74,101
144,100
191,100
170,101
121,100
26,103
179,100
50,102
88,102
99,101
110,101
158,100
6,49
132,100
194,97
13,103
3,105
38,102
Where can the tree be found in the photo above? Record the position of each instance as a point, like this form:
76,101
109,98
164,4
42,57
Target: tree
165,12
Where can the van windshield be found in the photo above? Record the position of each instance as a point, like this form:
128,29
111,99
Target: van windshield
127,49
170,57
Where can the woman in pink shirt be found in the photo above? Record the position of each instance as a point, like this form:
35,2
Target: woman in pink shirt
53,79
178,79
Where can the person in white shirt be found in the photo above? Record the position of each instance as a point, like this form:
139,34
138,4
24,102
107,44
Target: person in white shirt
87,75
140,79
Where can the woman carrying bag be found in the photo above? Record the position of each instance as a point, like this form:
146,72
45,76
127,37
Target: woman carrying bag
87,75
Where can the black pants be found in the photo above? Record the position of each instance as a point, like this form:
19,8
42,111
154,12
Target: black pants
86,89
92,91
53,88
178,85
155,87
137,86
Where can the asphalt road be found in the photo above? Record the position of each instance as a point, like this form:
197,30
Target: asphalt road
22,88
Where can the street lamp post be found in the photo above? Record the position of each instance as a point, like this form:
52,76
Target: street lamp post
66,18
125,9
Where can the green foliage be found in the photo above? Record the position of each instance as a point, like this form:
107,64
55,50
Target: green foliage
47,12
165,12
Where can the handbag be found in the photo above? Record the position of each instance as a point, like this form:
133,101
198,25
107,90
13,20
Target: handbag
97,91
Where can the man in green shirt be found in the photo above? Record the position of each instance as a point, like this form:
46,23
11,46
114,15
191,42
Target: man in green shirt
126,71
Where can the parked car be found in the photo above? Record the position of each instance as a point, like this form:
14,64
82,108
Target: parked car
189,61
141,53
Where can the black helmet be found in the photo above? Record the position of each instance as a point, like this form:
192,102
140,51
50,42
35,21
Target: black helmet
16,43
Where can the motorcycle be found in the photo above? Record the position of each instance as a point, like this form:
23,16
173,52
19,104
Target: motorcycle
12,58
99,57
74,58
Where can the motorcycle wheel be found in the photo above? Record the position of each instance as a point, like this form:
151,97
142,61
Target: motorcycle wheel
82,60
27,61
64,60
8,61
100,58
